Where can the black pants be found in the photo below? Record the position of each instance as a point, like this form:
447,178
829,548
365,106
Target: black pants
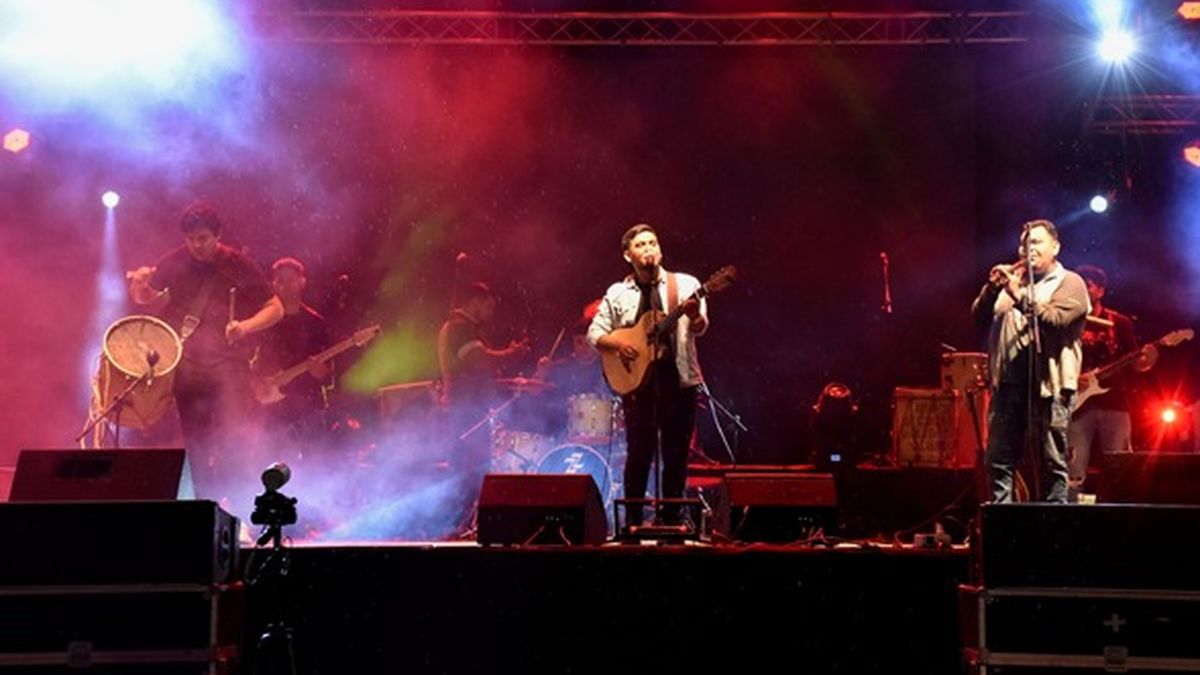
659,408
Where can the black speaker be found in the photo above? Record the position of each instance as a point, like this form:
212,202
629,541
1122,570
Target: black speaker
540,509
1089,545
101,475
1150,478
776,507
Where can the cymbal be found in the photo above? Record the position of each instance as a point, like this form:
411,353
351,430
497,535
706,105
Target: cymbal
523,384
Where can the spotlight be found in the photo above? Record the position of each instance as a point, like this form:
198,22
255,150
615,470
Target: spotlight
1169,414
110,199
1191,154
16,140
1098,204
1189,10
1116,46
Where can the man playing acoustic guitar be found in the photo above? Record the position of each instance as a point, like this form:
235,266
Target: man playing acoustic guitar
665,398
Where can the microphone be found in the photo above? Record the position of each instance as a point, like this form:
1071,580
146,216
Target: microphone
276,476
151,361
887,283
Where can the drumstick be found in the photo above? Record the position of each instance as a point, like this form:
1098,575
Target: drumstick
232,305
1099,321
557,342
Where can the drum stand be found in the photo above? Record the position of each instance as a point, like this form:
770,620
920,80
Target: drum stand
113,406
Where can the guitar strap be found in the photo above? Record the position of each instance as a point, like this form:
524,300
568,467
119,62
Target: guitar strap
672,292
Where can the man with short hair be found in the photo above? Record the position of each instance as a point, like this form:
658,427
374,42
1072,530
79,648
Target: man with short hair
213,295
298,419
1033,380
663,406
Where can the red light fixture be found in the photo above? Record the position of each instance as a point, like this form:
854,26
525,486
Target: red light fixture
16,140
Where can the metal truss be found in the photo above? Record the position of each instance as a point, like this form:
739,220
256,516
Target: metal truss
1146,114
646,28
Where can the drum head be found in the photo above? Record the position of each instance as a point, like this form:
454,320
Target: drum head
130,342
579,459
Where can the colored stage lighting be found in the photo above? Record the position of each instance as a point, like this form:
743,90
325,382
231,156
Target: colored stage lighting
16,140
1190,10
110,199
1116,46
1191,154
1098,204
1169,413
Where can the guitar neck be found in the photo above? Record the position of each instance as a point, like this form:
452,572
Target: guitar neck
668,322
291,373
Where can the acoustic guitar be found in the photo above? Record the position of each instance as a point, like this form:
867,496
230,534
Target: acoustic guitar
624,375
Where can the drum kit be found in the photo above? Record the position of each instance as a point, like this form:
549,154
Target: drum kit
591,444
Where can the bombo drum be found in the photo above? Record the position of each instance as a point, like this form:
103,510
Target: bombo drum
131,345
590,417
579,459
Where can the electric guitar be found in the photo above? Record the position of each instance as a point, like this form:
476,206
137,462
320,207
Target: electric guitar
625,375
1090,381
267,389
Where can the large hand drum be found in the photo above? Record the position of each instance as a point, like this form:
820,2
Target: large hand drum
131,344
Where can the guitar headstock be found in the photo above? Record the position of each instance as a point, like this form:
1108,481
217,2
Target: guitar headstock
1177,336
721,279
364,335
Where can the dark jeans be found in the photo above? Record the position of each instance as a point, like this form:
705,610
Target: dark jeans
660,407
1008,435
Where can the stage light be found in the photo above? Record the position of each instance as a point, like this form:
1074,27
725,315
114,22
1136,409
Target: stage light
1116,46
1170,413
1098,204
110,199
1191,154
1190,10
16,140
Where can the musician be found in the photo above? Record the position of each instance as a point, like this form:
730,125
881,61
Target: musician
214,295
469,367
1022,380
1102,422
664,405
298,420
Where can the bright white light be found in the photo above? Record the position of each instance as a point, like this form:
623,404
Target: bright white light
86,45
110,199
1116,46
1098,204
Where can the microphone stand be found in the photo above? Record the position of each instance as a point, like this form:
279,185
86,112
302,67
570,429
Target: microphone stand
119,401
718,407
1032,429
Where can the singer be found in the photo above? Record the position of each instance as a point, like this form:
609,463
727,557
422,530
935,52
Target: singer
1033,375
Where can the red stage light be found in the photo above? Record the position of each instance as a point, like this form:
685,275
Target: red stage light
1190,10
16,140
1168,415
1192,154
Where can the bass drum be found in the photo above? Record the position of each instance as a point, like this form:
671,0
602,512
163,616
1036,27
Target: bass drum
130,345
579,459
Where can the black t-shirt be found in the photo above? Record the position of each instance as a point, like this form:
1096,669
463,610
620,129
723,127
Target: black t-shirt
185,278
289,343
462,383
1103,345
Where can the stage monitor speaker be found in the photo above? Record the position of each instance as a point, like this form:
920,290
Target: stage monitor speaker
102,475
1150,478
540,509
776,507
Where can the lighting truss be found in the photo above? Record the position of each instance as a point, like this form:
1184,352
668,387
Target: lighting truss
646,28
1145,114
